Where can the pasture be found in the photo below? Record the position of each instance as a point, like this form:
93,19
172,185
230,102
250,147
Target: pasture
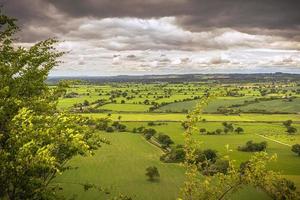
120,167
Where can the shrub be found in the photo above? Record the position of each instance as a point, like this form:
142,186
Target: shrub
151,123
239,130
109,129
291,130
176,154
152,173
296,149
253,147
202,130
164,140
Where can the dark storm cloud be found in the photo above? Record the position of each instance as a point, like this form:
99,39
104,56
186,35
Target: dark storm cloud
202,13
192,14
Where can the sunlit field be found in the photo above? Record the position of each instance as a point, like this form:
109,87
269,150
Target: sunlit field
123,162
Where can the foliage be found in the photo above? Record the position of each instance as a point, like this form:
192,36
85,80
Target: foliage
296,149
252,147
152,173
220,185
239,130
149,132
35,140
164,140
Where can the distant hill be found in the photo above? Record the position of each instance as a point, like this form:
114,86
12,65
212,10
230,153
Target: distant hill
221,78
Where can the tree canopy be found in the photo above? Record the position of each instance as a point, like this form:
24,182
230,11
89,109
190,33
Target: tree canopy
36,141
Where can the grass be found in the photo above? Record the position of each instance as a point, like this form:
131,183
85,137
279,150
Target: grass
208,117
178,106
277,105
225,102
219,142
120,167
126,107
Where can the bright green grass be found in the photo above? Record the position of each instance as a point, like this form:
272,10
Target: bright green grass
208,117
178,106
277,105
69,102
225,102
126,107
120,167
219,142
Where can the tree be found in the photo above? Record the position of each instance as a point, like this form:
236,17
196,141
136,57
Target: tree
210,154
202,130
86,103
220,185
152,173
164,140
149,132
253,147
291,130
296,149
36,141
219,131
287,123
239,130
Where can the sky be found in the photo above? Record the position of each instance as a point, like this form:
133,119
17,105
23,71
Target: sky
137,37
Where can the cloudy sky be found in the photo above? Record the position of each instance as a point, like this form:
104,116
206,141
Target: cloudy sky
113,37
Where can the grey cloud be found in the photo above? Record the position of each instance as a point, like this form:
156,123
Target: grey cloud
282,16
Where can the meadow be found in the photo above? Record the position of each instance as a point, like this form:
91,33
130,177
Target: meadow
120,169
120,166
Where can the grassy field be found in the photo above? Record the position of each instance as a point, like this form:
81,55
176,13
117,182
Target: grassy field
225,101
178,106
126,107
120,167
208,117
277,105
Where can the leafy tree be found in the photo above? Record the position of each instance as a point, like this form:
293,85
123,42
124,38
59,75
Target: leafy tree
287,123
176,154
252,147
102,124
228,127
202,130
221,185
296,149
239,130
109,129
291,130
36,141
86,103
149,132
165,140
210,154
219,131
152,173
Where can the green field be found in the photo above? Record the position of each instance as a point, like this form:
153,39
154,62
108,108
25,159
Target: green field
120,167
224,102
126,107
178,106
208,117
278,105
